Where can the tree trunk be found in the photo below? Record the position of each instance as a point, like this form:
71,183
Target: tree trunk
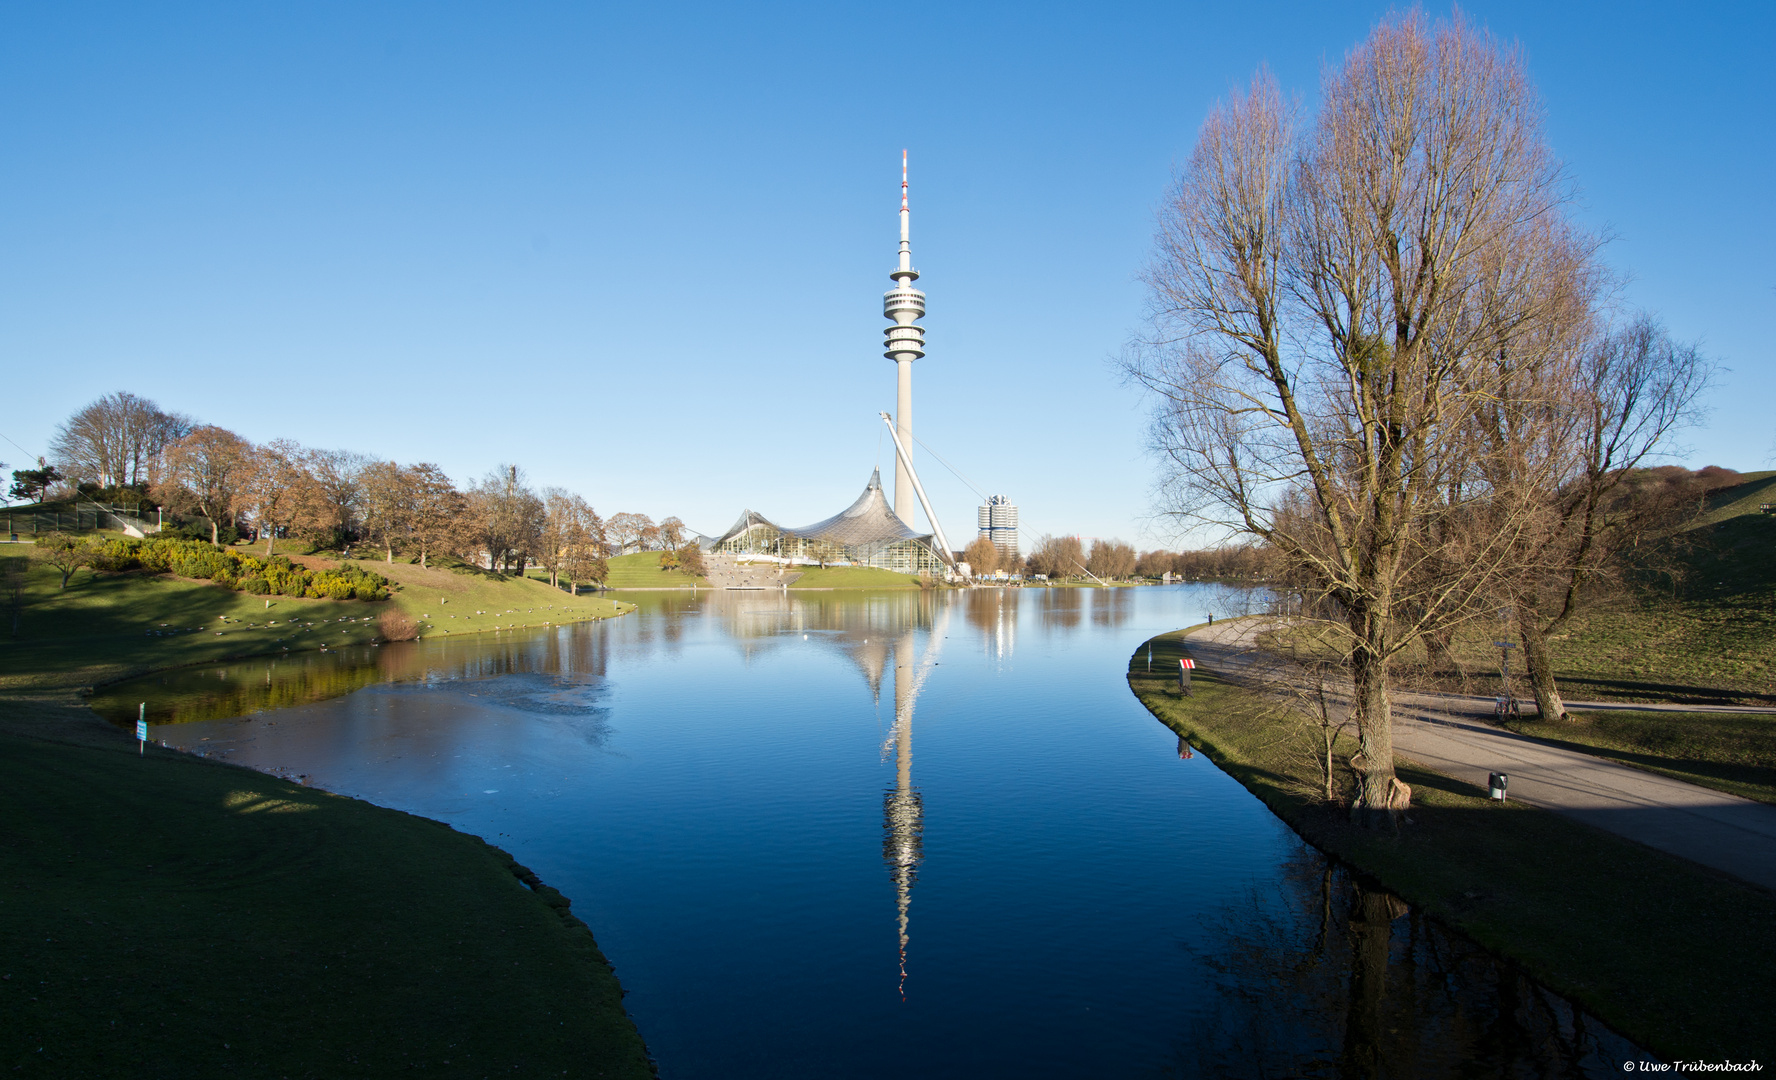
1373,762
270,538
1535,658
215,533
390,546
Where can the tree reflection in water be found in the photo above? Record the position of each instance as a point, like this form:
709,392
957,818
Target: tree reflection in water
1331,977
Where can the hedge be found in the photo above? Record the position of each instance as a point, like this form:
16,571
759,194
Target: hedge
276,576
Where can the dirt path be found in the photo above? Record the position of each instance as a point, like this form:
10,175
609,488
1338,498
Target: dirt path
1446,733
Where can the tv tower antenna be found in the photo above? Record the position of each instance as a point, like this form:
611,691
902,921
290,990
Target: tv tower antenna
903,305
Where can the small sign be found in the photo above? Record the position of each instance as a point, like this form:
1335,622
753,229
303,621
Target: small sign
1186,663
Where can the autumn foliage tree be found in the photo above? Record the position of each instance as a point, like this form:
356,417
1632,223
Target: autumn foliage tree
207,472
982,556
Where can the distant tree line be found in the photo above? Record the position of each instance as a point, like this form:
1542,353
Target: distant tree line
215,484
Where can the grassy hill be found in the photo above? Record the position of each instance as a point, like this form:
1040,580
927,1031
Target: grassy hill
104,627
186,917
642,571
853,577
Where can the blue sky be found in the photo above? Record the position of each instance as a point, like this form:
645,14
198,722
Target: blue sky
640,249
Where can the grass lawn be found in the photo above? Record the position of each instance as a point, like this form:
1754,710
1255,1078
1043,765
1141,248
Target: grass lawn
169,916
1712,642
1670,953
105,627
1731,752
166,916
853,577
641,570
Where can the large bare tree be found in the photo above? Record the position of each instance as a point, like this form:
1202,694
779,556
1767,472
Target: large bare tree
207,471
1616,396
385,504
334,496
434,509
275,488
1326,295
585,546
117,441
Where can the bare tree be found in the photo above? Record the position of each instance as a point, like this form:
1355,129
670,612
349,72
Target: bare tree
672,533
274,488
433,510
1111,559
334,495
506,518
1618,398
586,545
385,504
206,471
561,516
627,529
1324,299
982,556
1057,556
117,441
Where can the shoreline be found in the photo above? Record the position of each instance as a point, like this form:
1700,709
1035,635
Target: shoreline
1630,933
399,914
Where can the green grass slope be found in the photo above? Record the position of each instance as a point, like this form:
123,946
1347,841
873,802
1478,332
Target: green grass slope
171,917
641,570
1745,497
853,577
1668,952
104,627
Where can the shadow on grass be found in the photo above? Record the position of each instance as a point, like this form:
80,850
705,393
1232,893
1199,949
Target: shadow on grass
1634,934
1657,692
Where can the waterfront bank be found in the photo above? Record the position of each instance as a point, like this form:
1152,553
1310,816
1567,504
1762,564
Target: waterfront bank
1669,952
170,916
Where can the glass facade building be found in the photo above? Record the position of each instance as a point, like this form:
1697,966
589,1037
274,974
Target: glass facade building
867,533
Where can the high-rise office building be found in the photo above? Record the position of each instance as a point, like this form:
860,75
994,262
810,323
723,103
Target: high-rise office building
999,523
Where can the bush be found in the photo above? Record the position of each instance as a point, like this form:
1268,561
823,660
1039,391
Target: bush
235,570
397,625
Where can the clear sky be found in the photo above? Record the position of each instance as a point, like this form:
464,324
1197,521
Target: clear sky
639,249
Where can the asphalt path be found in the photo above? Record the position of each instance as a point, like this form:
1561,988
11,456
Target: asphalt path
1448,734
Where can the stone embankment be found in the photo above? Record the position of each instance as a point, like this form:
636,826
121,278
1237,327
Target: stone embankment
724,571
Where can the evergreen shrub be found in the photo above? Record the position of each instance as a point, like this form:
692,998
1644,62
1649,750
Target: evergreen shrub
235,570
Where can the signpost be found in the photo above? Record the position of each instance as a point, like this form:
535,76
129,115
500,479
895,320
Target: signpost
142,729
1184,666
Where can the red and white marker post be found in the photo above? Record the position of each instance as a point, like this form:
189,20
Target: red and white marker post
1185,665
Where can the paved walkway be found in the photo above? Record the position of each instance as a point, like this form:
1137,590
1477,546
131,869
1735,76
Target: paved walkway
1713,828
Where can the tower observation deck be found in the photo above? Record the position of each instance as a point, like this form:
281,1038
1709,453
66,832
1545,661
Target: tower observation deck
904,342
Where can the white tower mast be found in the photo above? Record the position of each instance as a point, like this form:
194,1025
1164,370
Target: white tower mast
905,343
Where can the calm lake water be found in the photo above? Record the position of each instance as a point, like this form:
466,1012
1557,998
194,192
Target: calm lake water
891,835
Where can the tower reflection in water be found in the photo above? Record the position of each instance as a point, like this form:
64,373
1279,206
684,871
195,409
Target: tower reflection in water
881,634
903,811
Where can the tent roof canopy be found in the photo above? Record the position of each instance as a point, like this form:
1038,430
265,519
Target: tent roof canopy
869,520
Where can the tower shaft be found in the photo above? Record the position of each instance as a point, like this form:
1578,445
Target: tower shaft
903,305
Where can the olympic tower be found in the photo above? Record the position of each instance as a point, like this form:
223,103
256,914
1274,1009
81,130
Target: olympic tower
905,341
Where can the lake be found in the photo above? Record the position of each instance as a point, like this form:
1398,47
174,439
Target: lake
893,834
